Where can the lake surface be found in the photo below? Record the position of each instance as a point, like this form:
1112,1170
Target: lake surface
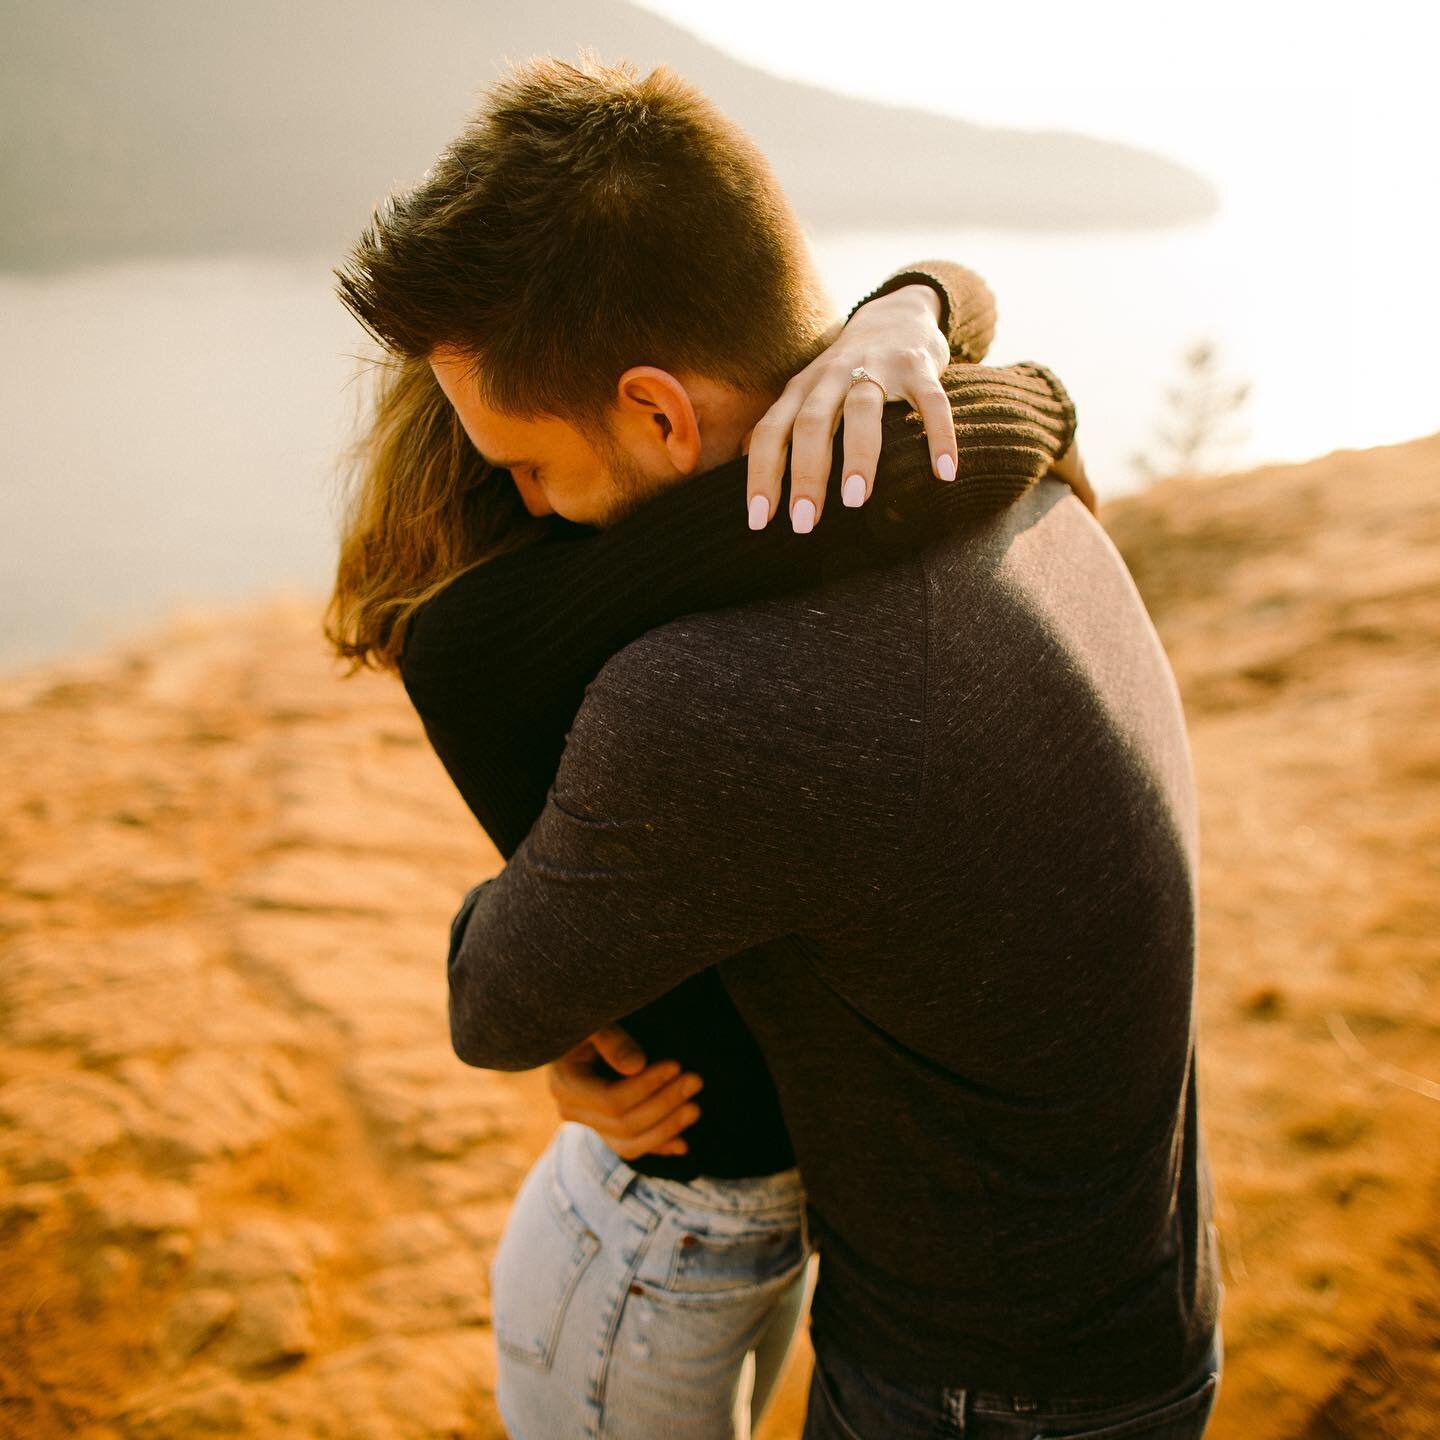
169,432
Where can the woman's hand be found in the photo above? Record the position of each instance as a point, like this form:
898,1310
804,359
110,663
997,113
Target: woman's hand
897,338
642,1113
1071,469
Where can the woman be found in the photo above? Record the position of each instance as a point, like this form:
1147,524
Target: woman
653,1269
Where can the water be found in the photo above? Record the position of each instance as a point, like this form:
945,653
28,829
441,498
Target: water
169,438
170,430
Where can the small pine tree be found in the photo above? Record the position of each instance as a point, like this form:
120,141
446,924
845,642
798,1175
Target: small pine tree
1198,430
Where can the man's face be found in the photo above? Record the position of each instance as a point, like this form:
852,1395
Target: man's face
556,467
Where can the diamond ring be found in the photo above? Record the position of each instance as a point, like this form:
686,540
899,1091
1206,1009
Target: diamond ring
860,373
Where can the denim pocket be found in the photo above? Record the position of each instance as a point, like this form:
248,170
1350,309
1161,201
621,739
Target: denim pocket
714,1261
1182,1419
539,1261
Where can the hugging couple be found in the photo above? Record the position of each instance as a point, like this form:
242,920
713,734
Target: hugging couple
850,836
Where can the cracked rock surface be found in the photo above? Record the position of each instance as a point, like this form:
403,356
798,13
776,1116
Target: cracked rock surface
246,1189
245,1186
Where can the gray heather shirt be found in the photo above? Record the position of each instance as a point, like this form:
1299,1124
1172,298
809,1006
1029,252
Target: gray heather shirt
936,824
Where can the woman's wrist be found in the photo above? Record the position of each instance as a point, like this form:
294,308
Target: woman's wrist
914,281
926,297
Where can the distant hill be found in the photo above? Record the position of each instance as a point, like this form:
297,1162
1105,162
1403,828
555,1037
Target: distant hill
175,127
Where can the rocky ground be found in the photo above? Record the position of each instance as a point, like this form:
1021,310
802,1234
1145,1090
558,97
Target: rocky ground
246,1189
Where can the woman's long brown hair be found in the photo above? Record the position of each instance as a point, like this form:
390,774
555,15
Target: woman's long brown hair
421,505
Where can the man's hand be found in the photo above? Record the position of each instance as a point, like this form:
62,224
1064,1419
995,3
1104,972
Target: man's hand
1071,469
896,337
642,1113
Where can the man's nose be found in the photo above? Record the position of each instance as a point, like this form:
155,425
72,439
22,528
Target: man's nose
533,497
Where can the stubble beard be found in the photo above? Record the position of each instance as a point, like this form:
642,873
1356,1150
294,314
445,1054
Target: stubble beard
629,487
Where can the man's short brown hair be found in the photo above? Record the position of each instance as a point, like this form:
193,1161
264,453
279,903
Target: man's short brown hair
588,219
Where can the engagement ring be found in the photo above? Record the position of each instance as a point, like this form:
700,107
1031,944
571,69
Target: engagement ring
860,373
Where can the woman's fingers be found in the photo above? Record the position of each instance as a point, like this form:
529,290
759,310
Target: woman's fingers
659,1134
624,1110
803,420
769,445
864,407
618,1049
665,1104
928,396
812,447
1071,469
655,1122
576,1087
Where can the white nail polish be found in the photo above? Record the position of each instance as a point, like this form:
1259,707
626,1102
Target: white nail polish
852,492
945,468
759,512
802,517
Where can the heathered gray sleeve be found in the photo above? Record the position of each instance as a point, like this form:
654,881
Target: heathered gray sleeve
691,818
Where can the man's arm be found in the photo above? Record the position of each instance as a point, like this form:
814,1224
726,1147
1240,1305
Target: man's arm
687,823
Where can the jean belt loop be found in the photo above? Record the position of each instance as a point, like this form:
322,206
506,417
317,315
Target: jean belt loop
613,1175
619,1179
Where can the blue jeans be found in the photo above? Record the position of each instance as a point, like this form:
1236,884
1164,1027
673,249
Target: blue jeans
850,1402
631,1308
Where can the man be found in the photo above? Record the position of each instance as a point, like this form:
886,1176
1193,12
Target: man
934,823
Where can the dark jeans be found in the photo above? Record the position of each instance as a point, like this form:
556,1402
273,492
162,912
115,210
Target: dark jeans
848,1402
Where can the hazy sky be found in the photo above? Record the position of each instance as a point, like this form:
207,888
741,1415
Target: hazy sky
1126,69
1193,85
1294,110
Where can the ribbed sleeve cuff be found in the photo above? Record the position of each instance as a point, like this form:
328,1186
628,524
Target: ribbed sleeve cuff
898,281
967,304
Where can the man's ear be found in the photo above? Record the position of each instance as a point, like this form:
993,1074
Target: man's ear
655,411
